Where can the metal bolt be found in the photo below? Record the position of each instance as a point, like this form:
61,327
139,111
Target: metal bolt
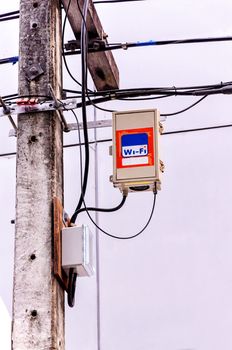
33,70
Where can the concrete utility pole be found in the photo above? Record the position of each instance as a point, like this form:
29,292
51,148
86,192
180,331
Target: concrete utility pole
38,299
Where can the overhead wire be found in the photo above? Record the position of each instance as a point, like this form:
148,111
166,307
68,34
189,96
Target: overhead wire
72,278
8,14
141,44
104,96
4,19
185,109
173,132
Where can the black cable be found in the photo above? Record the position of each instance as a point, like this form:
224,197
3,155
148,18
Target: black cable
150,89
71,287
185,109
10,96
15,97
143,99
125,46
103,210
223,126
8,18
223,88
172,89
100,108
9,14
111,209
72,91
109,98
83,104
126,237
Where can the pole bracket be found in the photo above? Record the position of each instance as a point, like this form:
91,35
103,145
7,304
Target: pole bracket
58,104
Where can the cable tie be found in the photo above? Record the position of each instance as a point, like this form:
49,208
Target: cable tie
14,59
112,96
124,46
175,90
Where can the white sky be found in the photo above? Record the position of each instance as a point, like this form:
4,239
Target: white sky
171,288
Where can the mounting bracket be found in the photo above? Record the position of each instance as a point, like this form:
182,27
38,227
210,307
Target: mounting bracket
60,221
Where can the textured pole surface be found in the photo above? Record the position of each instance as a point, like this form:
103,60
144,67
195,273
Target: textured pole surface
38,300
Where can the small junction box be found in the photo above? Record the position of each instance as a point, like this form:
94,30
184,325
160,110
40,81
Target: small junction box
77,250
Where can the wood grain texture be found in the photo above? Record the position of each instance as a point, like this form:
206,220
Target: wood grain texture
102,66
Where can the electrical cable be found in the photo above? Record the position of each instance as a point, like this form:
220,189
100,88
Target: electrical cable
4,19
9,14
71,287
83,103
125,93
206,128
143,99
129,236
139,44
105,99
100,108
185,109
172,88
222,88
6,97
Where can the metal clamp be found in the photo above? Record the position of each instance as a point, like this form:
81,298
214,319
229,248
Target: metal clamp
57,105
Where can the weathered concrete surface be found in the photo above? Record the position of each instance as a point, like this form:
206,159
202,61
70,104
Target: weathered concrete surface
38,300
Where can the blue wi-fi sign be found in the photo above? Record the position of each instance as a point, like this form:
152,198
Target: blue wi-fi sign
134,145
